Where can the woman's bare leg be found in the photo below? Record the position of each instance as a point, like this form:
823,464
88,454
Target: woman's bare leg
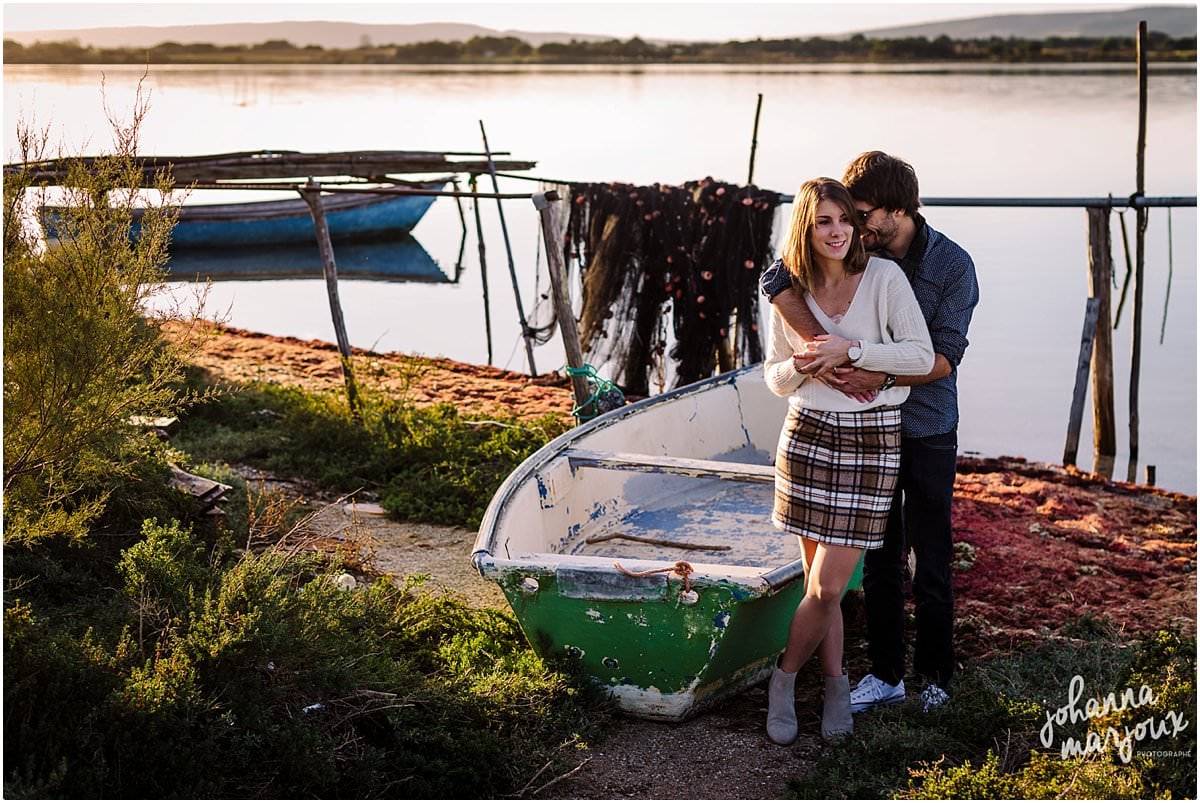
830,569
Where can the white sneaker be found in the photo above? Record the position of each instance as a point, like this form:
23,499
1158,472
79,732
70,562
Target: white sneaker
933,696
871,692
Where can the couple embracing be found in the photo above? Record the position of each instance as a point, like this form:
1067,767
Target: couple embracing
869,314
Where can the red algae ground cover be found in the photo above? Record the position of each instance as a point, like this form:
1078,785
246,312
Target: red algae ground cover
1040,546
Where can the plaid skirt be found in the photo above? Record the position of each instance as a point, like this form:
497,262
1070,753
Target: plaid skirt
835,474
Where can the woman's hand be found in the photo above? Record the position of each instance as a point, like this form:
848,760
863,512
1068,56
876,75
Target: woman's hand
822,354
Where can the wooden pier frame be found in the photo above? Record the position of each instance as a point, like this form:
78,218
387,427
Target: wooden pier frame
373,166
358,172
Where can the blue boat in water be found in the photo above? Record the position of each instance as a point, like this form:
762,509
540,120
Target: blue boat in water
349,215
397,258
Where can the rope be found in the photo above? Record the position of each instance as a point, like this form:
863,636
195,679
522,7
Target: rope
681,568
603,387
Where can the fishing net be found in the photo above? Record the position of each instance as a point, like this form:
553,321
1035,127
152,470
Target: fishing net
693,253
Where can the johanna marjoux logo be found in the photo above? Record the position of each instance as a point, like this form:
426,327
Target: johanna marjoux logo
1124,738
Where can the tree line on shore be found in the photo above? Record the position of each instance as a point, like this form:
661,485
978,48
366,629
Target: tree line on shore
511,50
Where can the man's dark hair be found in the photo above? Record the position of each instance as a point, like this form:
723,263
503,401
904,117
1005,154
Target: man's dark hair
882,180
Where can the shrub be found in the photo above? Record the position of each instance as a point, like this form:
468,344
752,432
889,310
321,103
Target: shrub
80,356
261,678
1043,778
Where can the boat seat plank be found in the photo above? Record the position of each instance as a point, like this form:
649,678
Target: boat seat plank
666,464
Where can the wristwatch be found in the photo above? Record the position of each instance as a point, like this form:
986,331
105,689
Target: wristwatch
888,381
854,353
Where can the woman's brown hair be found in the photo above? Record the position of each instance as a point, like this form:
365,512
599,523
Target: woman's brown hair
797,252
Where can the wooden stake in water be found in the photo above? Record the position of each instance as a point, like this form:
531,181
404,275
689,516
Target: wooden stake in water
1086,344
1135,367
487,305
754,140
512,268
312,196
1104,421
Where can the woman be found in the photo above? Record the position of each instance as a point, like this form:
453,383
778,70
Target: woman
838,457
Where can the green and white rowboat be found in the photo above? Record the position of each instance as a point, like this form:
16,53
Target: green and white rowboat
640,543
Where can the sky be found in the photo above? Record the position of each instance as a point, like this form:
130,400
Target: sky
664,20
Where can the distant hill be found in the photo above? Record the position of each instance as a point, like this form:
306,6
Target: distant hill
326,34
1176,21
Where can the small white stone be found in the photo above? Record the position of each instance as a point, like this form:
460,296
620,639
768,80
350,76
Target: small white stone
346,582
689,597
530,585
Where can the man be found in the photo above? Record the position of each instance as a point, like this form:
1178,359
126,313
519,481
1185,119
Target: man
942,275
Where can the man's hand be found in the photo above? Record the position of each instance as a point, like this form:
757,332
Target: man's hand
861,390
858,381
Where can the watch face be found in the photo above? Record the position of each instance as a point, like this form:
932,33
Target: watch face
854,353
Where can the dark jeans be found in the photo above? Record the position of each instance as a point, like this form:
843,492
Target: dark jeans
919,520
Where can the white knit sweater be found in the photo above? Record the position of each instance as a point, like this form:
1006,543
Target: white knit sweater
883,316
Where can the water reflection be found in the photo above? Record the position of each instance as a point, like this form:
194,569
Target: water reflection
397,258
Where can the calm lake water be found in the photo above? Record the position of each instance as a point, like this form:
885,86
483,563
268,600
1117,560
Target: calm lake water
969,133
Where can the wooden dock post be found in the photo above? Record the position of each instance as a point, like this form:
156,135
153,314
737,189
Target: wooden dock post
1135,366
1104,423
545,203
487,304
1091,314
512,268
312,196
754,140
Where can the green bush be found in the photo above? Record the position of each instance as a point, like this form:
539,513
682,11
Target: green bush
80,356
256,676
1043,778
1166,662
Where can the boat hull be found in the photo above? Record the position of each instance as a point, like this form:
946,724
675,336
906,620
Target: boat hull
659,657
569,527
350,216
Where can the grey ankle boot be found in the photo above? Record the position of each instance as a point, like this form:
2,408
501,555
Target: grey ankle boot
781,707
836,722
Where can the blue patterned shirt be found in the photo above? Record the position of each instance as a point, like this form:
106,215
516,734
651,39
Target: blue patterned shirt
943,280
